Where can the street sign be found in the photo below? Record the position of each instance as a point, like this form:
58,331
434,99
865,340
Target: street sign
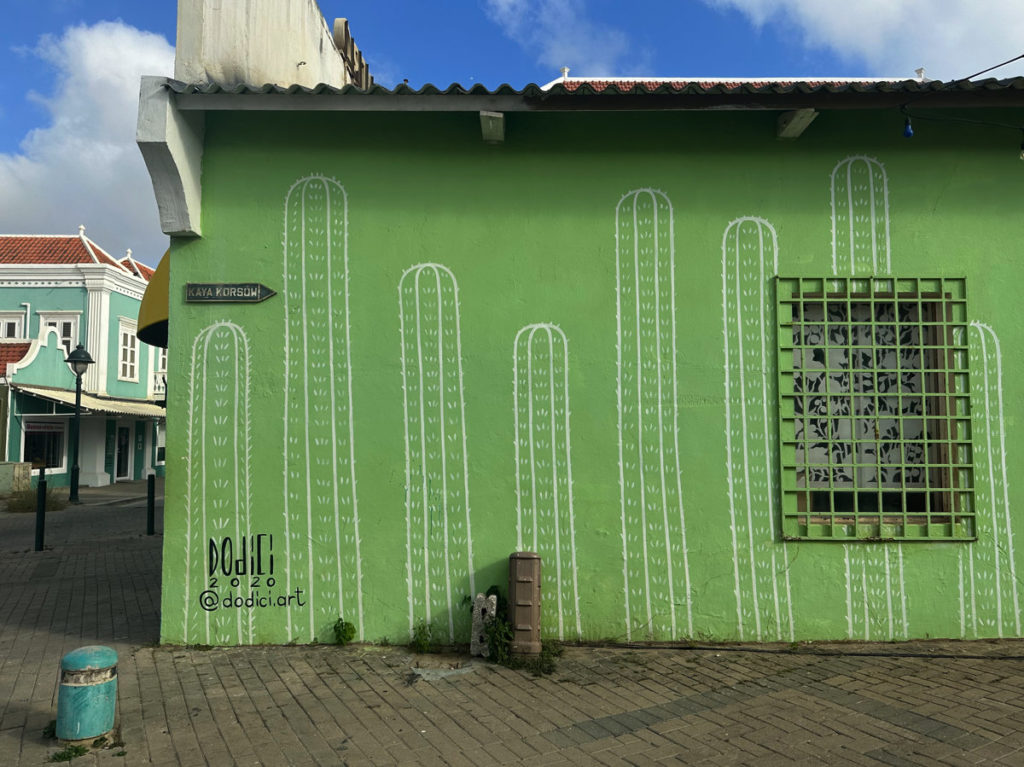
226,292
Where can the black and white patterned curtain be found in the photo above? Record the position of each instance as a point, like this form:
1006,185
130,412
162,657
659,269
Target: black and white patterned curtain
863,415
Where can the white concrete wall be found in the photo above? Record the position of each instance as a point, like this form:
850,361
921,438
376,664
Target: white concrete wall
92,446
229,42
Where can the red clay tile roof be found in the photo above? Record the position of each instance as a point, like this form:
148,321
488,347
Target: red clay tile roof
723,85
11,353
51,249
137,268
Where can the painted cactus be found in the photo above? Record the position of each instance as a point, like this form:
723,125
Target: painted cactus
655,566
546,525
876,600
989,600
876,597
321,513
439,565
218,496
860,217
749,266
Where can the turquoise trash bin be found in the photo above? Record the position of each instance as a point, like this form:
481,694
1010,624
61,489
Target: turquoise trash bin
88,693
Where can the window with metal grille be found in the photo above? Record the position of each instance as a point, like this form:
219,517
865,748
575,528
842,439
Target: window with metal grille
875,430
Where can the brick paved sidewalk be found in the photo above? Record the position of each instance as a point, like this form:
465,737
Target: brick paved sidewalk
382,706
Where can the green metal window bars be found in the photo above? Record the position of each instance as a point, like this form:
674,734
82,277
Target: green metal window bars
874,397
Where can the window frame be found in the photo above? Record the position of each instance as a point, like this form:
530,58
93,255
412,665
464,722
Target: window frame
931,479
53,427
18,319
126,327
55,319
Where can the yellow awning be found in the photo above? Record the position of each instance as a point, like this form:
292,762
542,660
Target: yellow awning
152,325
117,405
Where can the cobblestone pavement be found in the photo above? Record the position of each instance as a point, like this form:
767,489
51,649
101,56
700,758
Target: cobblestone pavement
915,704
106,513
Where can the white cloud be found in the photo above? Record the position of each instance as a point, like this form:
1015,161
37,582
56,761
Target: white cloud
84,167
561,35
950,38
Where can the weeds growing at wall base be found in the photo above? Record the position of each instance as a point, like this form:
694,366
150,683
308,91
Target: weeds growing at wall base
344,632
25,501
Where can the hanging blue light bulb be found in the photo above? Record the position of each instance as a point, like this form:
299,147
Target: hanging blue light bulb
908,129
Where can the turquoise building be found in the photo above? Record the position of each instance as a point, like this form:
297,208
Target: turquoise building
57,292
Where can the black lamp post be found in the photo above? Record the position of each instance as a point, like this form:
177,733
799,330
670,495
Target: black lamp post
79,360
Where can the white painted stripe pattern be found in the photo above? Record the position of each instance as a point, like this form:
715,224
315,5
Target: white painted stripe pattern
655,555
322,541
439,544
761,577
218,459
544,503
859,188
990,564
860,217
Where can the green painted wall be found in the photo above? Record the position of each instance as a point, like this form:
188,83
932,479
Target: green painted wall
44,300
124,306
555,344
25,407
139,459
48,368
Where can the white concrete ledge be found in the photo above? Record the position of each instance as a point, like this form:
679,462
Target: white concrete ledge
171,142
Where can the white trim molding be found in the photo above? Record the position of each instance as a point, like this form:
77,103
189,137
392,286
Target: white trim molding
74,316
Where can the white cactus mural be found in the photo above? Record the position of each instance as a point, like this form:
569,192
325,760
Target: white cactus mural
439,544
218,497
876,606
544,503
989,598
860,217
655,558
876,596
761,571
321,512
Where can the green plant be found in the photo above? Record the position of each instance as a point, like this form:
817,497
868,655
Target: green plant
69,753
100,742
25,501
344,632
384,642
545,662
498,634
422,638
50,730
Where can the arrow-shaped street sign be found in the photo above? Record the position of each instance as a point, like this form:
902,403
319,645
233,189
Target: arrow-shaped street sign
227,292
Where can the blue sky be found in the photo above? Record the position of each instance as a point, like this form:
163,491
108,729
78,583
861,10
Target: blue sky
70,71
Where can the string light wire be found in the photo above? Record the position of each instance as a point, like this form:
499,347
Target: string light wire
908,131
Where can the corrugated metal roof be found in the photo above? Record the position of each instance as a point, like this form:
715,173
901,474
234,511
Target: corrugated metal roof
612,94
632,86
94,403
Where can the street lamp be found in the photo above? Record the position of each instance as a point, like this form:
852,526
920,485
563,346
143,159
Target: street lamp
79,360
